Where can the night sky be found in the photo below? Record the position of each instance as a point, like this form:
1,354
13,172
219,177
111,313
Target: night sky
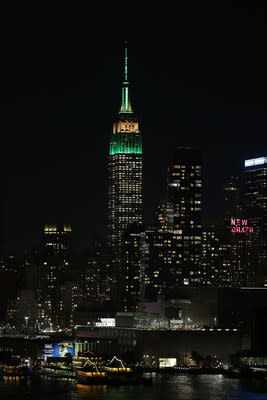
203,85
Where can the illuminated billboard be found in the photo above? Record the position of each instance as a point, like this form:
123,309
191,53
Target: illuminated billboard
239,225
167,362
59,349
106,322
255,161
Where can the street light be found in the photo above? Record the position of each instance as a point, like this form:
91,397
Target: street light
26,322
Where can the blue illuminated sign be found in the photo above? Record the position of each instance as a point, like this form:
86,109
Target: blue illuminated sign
255,161
59,349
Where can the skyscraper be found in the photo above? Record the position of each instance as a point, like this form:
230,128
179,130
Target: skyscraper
255,211
232,206
239,246
133,276
125,177
185,195
217,263
56,260
173,252
57,240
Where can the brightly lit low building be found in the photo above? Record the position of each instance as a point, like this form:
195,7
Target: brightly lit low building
141,320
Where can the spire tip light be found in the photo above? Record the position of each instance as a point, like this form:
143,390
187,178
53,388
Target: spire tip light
126,107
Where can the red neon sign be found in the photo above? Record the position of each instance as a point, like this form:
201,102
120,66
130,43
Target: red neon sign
241,226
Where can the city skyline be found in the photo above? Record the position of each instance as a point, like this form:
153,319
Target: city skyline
60,125
133,207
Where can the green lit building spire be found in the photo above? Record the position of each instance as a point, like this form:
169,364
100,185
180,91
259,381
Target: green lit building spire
125,169
126,137
126,107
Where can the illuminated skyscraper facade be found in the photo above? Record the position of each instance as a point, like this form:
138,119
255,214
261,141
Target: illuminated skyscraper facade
255,210
239,255
185,195
125,177
217,263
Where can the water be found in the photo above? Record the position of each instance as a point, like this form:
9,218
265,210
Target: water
165,387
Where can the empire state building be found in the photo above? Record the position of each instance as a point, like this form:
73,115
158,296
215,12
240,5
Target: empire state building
125,176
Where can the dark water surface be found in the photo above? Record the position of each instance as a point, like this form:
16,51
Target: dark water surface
165,387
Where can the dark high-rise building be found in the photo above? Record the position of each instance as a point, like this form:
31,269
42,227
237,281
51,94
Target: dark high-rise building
217,254
255,212
55,263
185,195
57,240
172,250
232,202
164,216
164,263
239,246
125,177
133,261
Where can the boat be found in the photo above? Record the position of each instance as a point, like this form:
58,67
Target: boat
88,377
91,374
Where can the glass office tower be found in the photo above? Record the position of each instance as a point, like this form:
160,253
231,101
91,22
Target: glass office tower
255,210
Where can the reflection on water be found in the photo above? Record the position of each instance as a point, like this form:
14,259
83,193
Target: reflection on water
166,387
90,392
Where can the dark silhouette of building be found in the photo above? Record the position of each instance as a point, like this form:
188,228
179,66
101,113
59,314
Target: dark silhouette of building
55,263
57,240
232,200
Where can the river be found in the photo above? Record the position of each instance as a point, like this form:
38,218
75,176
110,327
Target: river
165,387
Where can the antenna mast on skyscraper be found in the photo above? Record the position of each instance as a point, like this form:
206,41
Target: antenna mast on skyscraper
125,61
